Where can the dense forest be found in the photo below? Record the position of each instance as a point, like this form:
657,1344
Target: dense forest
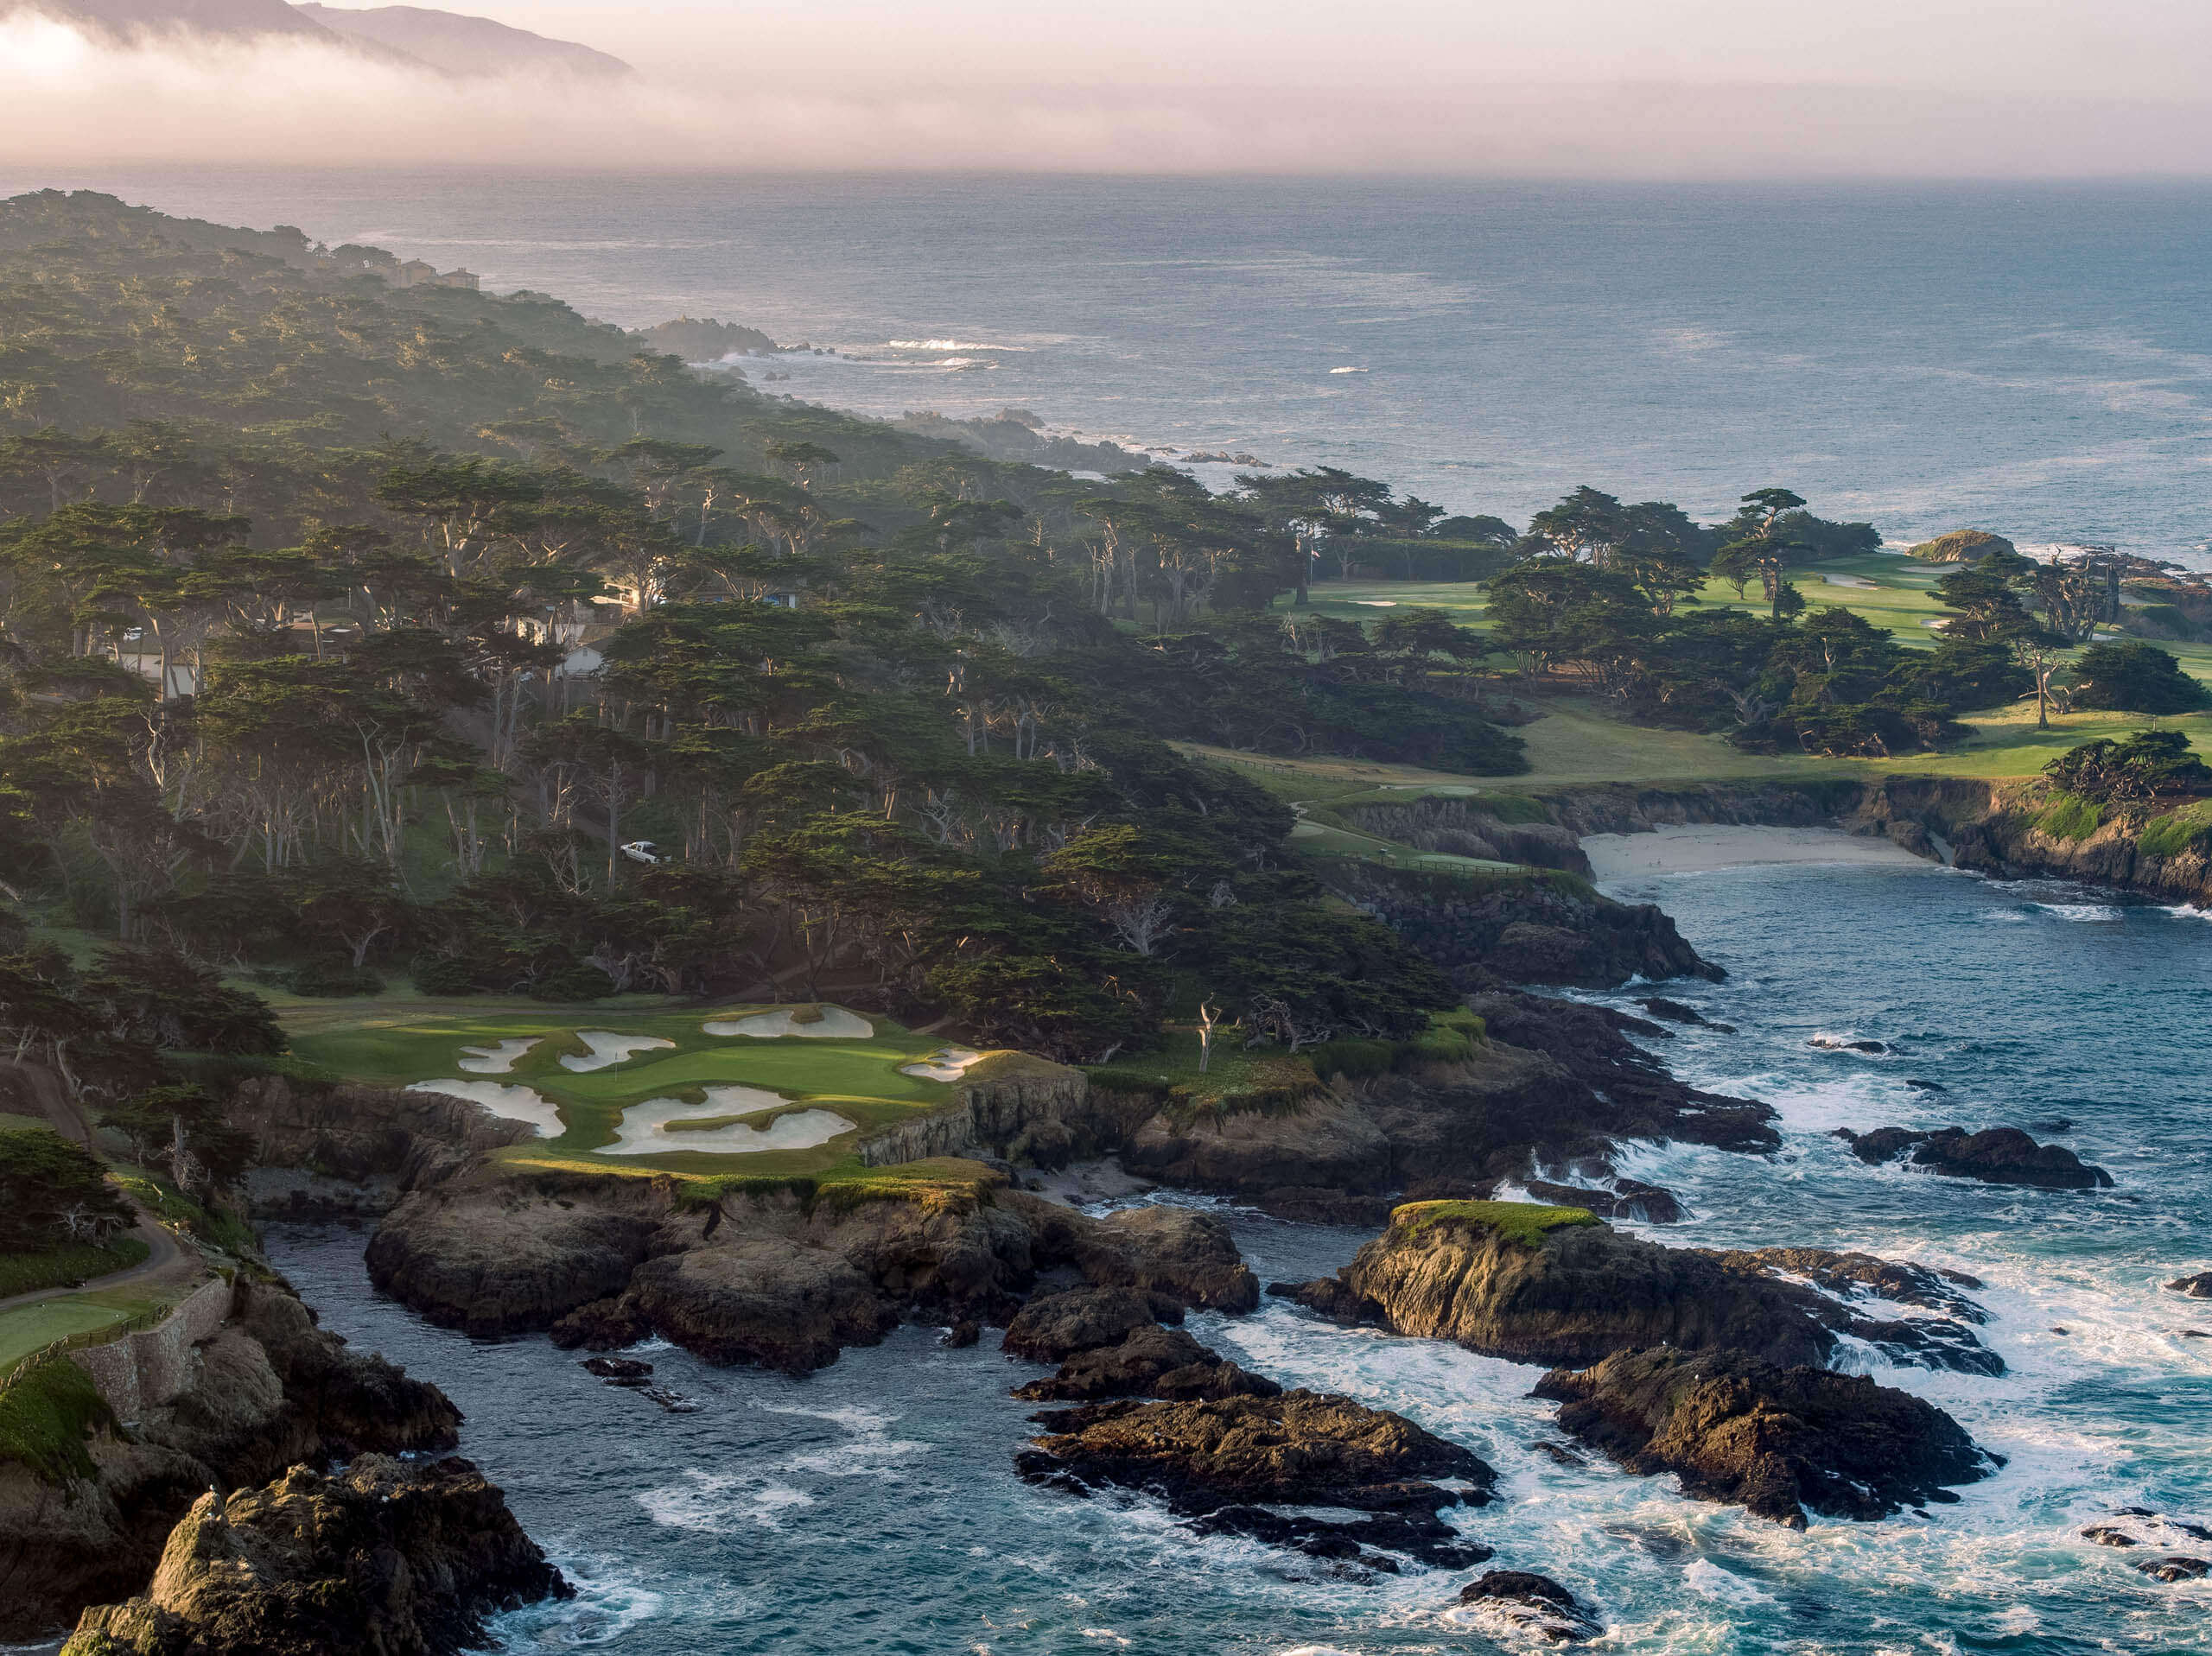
350,632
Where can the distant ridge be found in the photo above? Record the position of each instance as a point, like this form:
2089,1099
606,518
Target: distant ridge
459,45
416,36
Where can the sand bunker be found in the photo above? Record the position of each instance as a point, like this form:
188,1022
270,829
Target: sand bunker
946,1063
645,1128
835,1023
608,1049
496,1059
1700,848
1849,580
509,1102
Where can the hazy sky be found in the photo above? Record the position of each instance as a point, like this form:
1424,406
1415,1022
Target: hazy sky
1637,88
2154,48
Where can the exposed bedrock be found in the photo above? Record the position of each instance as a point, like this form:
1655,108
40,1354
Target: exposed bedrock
1995,1156
1489,1277
1780,1441
386,1560
2196,1287
768,1277
1532,1604
1556,1084
272,1390
1516,929
1227,1463
1149,1362
325,1150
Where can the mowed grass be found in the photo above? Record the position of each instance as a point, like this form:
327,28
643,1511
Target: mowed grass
27,1328
857,1078
1577,743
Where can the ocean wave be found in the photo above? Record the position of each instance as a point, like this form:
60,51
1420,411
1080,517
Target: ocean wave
2087,913
2188,912
950,345
609,1605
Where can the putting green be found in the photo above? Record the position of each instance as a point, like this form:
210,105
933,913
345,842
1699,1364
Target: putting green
855,1073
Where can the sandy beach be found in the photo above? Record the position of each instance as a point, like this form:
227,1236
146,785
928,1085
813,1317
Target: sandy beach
1697,848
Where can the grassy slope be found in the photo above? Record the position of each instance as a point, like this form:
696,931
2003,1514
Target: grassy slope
1576,744
859,1079
27,1328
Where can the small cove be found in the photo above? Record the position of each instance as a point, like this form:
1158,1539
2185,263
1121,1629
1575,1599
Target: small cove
872,1507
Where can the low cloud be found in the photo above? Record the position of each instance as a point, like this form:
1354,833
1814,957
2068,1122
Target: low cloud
66,101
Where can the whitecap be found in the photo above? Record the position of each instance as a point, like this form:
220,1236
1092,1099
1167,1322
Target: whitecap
2188,911
834,1023
2087,913
1347,371
509,1103
498,1059
949,345
608,1049
1709,1580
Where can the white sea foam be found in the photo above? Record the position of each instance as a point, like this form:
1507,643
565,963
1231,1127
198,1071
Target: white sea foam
497,1059
511,1103
608,1049
2188,912
834,1023
950,345
2087,913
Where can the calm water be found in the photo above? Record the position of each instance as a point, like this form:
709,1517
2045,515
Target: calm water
873,1508
2034,359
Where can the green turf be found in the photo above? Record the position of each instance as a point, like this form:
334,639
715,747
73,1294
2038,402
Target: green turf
1525,1222
26,1273
27,1328
858,1078
45,1416
22,1123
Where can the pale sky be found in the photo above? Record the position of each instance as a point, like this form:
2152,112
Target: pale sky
1622,88
2127,49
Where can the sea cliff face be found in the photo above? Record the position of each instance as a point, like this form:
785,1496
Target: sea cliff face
271,1390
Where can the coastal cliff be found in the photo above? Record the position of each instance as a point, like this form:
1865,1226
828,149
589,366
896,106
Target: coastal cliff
268,1391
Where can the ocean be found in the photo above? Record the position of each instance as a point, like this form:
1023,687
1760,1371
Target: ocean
2034,359
873,1508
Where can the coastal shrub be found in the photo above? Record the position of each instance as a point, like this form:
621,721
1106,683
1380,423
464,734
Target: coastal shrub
335,980
2071,817
1353,1057
2179,832
53,1192
1126,1080
2148,765
1525,1222
45,1413
2133,676
443,975
576,981
26,1273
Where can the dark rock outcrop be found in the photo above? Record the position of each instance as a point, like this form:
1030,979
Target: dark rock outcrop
767,1277
2176,1567
1555,1083
387,1560
2196,1287
1228,1461
1151,1361
1053,1328
1673,1011
1553,930
1780,1440
1575,1293
1533,1604
1995,1156
270,1390
1627,1199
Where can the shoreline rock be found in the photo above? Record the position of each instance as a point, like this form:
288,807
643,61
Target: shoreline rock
1994,1156
1228,1462
272,1390
1777,1441
1544,1285
391,1560
1151,1361
1532,1604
